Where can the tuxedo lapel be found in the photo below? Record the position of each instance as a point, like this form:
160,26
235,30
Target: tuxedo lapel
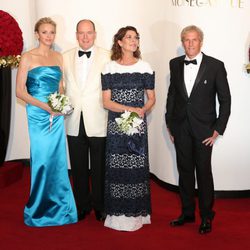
182,81
201,72
72,67
94,67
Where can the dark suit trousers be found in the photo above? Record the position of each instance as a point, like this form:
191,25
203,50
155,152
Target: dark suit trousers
82,147
193,156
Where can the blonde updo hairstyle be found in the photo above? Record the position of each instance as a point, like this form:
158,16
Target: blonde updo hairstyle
44,20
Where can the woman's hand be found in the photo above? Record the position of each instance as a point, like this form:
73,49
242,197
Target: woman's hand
56,113
170,135
52,113
139,111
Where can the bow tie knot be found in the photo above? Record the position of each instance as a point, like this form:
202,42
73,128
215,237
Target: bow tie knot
81,53
187,62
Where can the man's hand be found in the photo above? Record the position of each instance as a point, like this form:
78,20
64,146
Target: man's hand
170,135
211,140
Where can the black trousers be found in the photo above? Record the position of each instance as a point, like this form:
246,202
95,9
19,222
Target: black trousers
88,192
194,157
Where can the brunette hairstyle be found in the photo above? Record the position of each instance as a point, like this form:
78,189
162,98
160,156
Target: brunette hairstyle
116,49
44,20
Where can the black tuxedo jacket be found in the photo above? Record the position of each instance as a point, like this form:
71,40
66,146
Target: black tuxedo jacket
200,107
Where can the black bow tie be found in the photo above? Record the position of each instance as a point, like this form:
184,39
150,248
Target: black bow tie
191,61
81,53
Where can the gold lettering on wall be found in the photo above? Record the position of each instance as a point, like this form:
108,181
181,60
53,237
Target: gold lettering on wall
209,3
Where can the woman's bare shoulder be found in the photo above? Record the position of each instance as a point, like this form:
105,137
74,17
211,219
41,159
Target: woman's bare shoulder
59,57
57,54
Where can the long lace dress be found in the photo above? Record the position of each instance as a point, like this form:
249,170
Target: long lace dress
127,190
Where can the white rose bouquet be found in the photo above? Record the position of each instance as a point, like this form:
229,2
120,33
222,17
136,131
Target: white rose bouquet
59,103
129,123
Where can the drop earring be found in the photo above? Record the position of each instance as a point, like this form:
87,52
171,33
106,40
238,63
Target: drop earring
37,43
53,46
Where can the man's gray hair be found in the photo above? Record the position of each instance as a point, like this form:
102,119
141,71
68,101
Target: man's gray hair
192,28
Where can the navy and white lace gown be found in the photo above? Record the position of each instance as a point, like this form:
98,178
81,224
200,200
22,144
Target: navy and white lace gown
127,190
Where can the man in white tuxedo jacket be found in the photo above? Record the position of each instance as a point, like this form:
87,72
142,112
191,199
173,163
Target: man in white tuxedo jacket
87,125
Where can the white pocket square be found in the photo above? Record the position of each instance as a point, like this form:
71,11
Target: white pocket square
205,82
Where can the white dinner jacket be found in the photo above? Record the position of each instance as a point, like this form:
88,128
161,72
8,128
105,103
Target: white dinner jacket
89,99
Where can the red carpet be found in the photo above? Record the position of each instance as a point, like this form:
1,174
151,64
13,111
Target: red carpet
10,172
230,228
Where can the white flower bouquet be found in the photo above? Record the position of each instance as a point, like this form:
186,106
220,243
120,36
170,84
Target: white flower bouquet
59,103
129,123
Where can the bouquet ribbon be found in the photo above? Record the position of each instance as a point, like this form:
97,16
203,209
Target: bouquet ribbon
51,117
135,146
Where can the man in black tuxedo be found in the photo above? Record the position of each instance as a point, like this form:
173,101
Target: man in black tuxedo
193,124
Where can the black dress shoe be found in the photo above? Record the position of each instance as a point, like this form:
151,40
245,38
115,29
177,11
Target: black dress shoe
82,214
182,220
205,226
100,216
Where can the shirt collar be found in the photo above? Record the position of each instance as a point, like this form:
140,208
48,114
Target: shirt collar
198,58
90,49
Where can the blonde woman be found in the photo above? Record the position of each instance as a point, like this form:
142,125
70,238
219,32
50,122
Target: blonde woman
51,201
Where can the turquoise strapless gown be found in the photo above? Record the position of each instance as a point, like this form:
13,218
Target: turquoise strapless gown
51,201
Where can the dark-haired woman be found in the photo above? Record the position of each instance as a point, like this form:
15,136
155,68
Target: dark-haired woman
125,81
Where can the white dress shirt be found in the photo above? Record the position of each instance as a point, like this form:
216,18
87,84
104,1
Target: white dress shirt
82,67
191,71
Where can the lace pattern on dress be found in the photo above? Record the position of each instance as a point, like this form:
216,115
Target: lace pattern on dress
128,191
128,95
126,161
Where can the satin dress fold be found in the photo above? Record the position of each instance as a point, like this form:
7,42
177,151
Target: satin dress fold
51,201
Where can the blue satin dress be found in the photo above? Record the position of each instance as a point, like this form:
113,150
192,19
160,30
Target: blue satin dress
51,201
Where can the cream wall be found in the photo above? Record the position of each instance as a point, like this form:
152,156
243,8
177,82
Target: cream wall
159,23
